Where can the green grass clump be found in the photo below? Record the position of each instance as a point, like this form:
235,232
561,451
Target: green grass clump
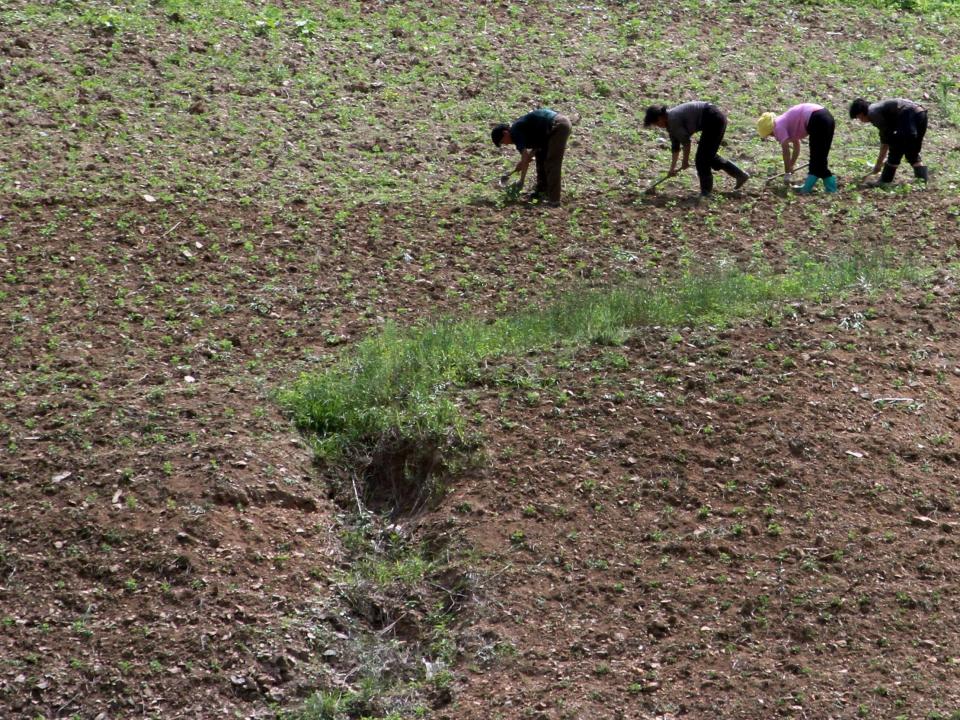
398,384
324,706
335,705
913,6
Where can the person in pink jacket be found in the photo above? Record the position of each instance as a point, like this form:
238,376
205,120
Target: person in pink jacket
790,128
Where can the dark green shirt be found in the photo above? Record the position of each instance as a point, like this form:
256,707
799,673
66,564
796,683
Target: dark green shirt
532,131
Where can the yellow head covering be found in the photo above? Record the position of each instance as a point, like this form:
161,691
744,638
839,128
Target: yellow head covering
765,124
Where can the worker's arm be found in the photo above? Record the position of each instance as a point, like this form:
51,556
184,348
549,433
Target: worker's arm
686,155
791,151
673,163
884,149
525,157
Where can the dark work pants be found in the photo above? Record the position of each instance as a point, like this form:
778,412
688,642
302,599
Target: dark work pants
908,138
714,125
550,159
820,128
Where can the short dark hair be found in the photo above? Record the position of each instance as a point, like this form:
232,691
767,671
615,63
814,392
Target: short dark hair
858,107
654,113
497,133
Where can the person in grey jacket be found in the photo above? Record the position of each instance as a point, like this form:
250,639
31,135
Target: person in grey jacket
902,125
681,122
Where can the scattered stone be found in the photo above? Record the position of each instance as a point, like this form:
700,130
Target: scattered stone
797,446
658,629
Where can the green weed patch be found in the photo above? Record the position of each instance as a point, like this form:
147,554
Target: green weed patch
913,6
395,391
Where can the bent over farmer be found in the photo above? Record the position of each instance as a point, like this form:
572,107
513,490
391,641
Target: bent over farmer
902,125
681,122
790,128
541,134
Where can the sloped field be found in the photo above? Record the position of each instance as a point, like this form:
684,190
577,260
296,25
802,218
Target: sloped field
746,518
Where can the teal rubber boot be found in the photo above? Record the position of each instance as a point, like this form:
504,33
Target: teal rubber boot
830,184
808,185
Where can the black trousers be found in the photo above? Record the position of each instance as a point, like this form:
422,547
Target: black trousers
714,125
820,128
907,140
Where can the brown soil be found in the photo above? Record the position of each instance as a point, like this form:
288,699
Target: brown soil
731,519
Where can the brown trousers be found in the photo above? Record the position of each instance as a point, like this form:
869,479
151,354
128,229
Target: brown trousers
550,159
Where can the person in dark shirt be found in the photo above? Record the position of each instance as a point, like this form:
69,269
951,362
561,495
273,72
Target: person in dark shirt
902,125
541,134
681,122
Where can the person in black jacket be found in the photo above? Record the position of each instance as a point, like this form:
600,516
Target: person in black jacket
902,125
541,134
681,122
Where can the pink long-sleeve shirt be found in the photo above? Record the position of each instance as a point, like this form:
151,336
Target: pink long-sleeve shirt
792,125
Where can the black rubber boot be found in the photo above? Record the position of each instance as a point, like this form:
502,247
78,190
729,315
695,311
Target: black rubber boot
887,175
735,172
920,172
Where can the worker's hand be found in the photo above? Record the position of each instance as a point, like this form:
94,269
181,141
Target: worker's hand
876,168
788,178
672,172
685,166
